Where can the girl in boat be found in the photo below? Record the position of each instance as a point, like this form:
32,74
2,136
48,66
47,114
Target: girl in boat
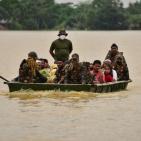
108,73
97,74
107,63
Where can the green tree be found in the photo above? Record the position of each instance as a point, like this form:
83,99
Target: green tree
107,15
46,14
35,13
3,14
78,18
134,15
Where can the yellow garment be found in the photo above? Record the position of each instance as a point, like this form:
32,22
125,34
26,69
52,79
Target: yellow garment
32,65
52,72
53,66
45,72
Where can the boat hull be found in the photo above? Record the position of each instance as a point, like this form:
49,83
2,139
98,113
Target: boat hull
98,88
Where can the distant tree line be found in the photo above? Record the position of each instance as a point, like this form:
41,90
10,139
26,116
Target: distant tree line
48,15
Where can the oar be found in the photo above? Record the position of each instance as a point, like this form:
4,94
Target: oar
4,79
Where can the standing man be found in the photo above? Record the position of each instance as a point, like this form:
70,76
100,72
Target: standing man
61,48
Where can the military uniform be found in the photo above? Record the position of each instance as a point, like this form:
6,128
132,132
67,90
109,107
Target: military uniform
87,78
72,73
121,68
60,73
113,57
77,73
60,49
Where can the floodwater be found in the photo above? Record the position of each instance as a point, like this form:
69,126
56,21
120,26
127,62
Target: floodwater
70,116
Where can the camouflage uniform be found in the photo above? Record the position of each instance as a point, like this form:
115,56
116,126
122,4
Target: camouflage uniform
77,73
121,68
87,78
60,74
73,73
113,57
122,72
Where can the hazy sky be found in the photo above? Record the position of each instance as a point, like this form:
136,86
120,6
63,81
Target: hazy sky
77,1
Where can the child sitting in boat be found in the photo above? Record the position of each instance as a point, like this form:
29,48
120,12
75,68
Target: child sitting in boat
97,73
108,73
44,67
107,63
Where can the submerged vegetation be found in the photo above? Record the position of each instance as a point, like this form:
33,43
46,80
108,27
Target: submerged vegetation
48,15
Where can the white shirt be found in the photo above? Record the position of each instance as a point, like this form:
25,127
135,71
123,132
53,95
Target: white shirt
114,75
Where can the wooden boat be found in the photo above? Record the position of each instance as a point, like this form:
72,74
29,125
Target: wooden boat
98,88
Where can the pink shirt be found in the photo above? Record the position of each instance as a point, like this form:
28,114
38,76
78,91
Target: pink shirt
98,77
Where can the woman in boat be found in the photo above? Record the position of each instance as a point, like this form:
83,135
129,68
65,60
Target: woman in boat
29,70
108,62
108,73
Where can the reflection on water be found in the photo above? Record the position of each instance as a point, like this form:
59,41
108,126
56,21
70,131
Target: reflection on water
71,96
26,95
70,116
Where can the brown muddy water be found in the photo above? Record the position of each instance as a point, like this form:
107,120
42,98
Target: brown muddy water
70,116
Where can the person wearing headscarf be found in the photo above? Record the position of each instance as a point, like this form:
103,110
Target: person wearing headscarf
29,70
106,63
